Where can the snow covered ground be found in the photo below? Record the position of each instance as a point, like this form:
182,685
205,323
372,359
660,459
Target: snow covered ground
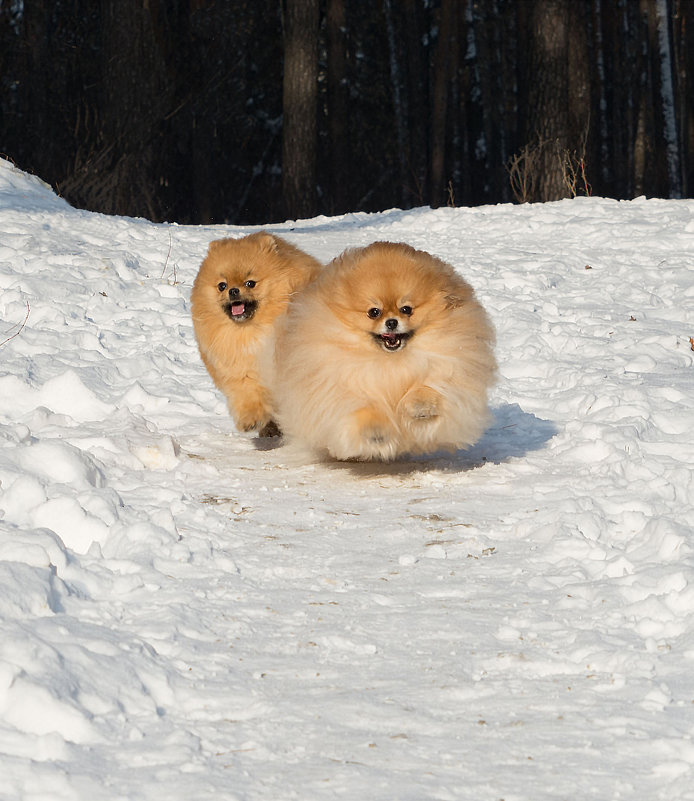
186,615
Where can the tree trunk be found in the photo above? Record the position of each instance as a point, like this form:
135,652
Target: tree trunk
416,101
440,101
136,95
667,95
548,112
338,117
299,107
579,79
686,86
641,136
398,103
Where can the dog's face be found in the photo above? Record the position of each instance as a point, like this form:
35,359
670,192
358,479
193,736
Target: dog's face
393,293
391,324
241,279
236,295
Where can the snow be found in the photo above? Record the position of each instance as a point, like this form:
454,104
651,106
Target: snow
189,613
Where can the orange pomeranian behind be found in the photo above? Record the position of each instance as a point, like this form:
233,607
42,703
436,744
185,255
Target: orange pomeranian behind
241,292
387,353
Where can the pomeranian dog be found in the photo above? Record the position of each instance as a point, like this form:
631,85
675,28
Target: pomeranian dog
387,353
241,292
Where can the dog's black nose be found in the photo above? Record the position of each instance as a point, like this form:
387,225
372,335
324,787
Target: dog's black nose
234,292
391,324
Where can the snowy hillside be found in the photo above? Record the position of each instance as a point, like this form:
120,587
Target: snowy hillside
188,616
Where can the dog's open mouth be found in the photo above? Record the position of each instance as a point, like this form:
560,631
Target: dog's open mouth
240,310
392,342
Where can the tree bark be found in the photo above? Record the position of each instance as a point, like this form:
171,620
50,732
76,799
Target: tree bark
416,101
299,107
399,111
579,79
667,96
338,117
447,28
548,112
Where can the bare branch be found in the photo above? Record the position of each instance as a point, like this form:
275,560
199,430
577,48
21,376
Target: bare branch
21,327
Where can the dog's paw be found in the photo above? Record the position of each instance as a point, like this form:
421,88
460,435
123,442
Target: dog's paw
249,406
252,419
248,425
421,405
270,429
374,430
422,411
375,435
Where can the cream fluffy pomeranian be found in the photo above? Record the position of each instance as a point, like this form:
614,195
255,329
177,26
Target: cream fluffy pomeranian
388,352
241,292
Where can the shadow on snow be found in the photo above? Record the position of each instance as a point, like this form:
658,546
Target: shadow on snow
513,434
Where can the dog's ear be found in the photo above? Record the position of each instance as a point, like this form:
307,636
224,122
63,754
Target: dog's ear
267,242
461,295
454,301
216,244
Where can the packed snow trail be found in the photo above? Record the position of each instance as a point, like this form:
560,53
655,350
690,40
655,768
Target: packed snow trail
189,613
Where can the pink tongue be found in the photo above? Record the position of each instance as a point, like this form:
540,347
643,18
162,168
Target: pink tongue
237,309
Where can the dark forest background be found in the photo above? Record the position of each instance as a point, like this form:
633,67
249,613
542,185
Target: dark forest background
254,111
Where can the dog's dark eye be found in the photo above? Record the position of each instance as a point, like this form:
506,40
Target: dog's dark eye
250,284
406,310
221,286
374,313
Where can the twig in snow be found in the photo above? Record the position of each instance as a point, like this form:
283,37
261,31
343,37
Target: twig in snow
166,263
21,327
